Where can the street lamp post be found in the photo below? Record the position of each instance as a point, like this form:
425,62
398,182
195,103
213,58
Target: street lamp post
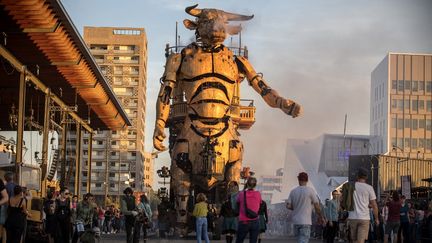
398,161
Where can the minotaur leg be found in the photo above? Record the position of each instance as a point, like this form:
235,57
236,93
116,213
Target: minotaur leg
180,179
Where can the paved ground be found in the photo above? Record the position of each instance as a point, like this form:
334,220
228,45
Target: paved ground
117,238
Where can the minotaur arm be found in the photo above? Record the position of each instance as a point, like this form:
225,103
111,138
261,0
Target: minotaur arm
270,96
163,102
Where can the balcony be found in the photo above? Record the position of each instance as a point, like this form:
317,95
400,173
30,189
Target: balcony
125,61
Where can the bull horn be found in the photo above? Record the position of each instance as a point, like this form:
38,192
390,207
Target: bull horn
237,17
192,10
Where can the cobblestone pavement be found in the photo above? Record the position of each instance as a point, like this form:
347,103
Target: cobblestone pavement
117,238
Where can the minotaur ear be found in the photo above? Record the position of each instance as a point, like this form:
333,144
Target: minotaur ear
190,24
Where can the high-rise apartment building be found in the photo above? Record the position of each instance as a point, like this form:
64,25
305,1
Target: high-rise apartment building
119,155
401,106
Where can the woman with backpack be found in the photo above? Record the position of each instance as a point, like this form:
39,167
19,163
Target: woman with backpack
249,202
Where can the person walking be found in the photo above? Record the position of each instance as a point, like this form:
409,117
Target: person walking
200,213
249,202
332,216
263,220
358,218
144,216
393,221
17,215
302,200
85,213
404,221
108,220
128,208
229,224
63,215
4,199
10,183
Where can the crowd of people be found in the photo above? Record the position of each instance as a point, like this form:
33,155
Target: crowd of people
352,214
66,219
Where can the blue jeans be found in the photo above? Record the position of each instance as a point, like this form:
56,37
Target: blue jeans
302,232
201,229
245,227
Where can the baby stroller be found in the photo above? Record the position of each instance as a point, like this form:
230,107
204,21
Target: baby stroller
88,234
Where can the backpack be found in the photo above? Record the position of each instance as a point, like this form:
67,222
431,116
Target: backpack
347,202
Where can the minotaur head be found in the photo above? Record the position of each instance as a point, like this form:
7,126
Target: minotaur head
211,25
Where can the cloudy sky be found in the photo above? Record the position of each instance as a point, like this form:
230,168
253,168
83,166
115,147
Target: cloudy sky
317,52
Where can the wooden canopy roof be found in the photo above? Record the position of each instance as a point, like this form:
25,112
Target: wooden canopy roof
41,35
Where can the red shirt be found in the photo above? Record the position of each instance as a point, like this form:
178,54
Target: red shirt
394,211
253,200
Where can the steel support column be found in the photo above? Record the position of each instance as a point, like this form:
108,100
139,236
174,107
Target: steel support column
89,165
44,165
77,184
107,183
63,150
20,128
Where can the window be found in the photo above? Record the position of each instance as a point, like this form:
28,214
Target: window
84,184
99,153
111,174
394,84
428,125
85,152
407,142
113,164
422,123
428,86
393,122
414,105
133,153
429,105
428,144
421,105
399,123
394,103
84,173
400,104
112,185
421,143
98,184
400,85
98,163
421,86
113,142
407,123
113,132
99,142
132,174
414,124
113,153
85,141
400,142
408,85
414,143
414,86
406,104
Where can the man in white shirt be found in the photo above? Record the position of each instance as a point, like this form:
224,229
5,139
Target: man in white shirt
359,219
302,200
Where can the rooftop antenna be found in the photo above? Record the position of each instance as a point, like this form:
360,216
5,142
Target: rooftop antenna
176,35
240,42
